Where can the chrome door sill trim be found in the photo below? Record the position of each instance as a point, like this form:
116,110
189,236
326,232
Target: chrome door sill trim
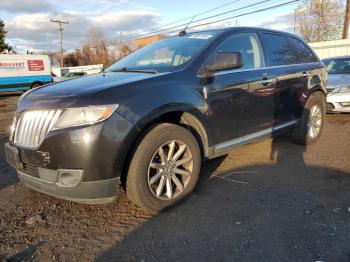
224,147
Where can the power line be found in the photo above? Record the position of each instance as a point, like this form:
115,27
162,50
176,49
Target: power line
102,4
112,6
186,18
60,31
202,19
249,13
199,14
228,18
131,37
216,21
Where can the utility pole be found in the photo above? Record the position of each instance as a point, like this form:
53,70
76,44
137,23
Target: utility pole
60,30
346,20
121,46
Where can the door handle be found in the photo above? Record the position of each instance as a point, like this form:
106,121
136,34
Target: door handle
266,81
304,74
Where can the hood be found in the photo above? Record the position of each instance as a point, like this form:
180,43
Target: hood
335,80
91,84
88,90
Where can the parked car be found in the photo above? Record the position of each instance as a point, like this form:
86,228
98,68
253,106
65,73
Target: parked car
154,116
22,72
69,76
338,85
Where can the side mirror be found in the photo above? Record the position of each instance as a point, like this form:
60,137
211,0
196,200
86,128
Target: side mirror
225,61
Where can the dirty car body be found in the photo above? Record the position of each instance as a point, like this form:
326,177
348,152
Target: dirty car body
83,160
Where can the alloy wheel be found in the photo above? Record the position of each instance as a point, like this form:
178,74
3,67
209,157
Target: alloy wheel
170,170
314,121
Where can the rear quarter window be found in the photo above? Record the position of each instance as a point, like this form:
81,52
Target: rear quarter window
305,55
278,50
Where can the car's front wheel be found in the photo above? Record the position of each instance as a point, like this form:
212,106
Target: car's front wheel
164,168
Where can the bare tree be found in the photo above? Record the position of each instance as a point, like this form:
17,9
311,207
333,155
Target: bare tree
319,20
94,51
99,53
124,50
54,56
70,60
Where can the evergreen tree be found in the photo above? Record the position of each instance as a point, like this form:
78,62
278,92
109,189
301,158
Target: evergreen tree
3,45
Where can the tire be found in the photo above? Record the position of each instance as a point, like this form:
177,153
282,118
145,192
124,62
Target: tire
301,134
144,181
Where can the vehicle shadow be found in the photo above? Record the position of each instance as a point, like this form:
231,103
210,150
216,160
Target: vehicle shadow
282,211
7,173
5,95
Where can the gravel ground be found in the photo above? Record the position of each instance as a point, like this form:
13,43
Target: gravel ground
273,201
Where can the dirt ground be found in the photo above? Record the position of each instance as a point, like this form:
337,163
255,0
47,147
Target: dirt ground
273,201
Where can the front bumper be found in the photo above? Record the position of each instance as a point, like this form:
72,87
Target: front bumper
338,102
92,155
47,181
96,192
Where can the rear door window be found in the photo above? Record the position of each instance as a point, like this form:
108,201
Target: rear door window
278,50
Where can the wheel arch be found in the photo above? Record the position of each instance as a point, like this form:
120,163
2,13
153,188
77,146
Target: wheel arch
177,115
317,90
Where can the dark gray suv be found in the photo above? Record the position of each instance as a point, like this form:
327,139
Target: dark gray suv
151,118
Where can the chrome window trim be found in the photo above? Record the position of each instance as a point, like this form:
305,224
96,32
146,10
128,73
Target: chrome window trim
260,68
254,69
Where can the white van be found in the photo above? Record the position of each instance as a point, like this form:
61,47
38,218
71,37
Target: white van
22,72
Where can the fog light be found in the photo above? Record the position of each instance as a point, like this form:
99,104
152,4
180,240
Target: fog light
69,177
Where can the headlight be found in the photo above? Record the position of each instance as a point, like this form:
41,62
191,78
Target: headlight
84,116
342,89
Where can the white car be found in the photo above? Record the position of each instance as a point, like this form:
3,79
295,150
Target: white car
338,85
69,76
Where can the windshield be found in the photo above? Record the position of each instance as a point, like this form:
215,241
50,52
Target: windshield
337,66
166,55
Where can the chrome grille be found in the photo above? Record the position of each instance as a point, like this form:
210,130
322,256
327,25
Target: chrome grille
32,127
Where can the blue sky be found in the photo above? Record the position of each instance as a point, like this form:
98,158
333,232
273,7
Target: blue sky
28,21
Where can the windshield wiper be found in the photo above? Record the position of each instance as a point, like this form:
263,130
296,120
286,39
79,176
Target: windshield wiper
127,70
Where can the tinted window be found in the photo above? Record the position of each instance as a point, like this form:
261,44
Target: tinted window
278,50
337,65
247,45
305,55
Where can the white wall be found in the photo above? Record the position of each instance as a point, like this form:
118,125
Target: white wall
89,69
331,48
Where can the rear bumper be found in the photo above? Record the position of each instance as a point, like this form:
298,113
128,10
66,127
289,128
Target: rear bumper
96,192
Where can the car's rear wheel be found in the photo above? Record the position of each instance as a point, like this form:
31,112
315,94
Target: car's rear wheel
164,168
312,120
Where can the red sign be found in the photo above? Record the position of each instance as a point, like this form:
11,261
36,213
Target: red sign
35,65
